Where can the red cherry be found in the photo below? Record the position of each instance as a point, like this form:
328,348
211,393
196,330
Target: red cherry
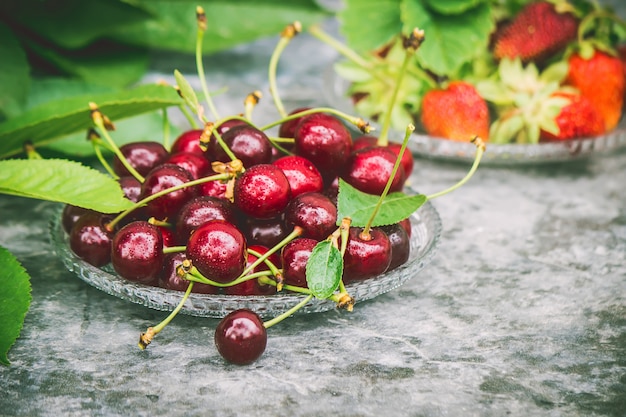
366,141
295,256
240,337
366,257
90,239
314,213
262,191
302,175
369,169
143,156
137,252
197,165
170,280
188,141
200,210
161,178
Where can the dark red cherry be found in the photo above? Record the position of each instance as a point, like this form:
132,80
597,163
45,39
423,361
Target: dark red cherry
264,232
197,165
315,213
325,141
90,240
406,224
200,210
252,286
170,280
400,245
287,129
367,141
131,187
188,141
302,175
369,169
215,188
161,178
248,144
240,337
366,257
218,250
143,156
70,215
294,257
262,191
213,146
137,252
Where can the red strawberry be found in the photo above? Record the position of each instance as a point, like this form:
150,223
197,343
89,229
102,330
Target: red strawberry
578,119
457,112
535,33
600,79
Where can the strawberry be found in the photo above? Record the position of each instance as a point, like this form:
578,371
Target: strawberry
600,78
535,33
578,119
457,112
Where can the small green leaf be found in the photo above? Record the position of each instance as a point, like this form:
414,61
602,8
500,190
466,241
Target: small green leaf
14,77
15,298
58,118
62,181
324,269
359,206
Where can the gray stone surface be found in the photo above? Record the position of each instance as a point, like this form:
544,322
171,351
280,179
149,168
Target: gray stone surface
521,313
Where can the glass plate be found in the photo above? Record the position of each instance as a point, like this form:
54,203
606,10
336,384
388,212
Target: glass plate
426,230
421,144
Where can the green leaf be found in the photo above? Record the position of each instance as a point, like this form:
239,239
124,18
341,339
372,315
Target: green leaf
73,24
450,40
359,206
229,23
189,95
324,269
14,77
56,180
452,6
58,118
15,298
370,24
45,89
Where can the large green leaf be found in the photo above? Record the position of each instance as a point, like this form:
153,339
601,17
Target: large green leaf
229,22
369,24
73,24
14,76
359,206
324,269
451,40
62,181
58,118
15,298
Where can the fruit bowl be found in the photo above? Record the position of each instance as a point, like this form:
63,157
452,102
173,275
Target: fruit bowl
426,229
423,145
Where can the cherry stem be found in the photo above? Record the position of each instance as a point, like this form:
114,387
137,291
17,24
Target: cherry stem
384,132
146,338
250,103
201,19
287,313
191,120
366,230
30,151
361,124
269,281
285,37
344,230
174,249
119,217
97,143
480,149
98,119
196,276
275,143
273,268
297,231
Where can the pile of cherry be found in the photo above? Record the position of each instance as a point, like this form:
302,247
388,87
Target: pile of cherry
213,204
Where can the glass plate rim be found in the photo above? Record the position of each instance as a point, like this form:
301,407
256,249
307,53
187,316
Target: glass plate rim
425,220
436,148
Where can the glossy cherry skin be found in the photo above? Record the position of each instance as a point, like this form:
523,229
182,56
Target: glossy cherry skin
70,215
218,250
288,129
252,286
369,170
188,141
169,278
262,191
137,252
143,156
200,210
161,178
366,258
325,141
131,187
240,337
213,188
213,146
314,213
90,240
366,141
295,256
197,165
301,173
264,232
248,144
400,245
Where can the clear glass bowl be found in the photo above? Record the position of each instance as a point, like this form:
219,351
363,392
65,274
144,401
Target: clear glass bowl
426,229
335,92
